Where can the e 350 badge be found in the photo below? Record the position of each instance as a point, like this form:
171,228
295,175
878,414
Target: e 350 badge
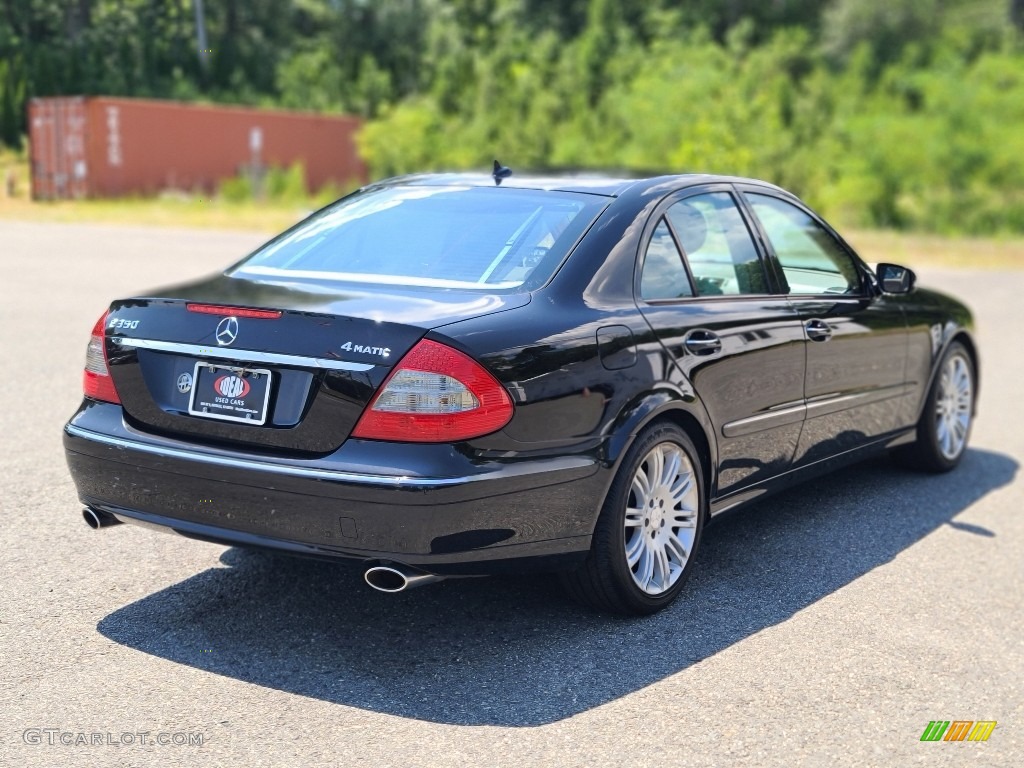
117,322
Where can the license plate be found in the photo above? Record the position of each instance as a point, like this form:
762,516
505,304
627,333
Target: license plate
230,393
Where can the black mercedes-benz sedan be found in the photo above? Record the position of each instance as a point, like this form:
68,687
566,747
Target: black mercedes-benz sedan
461,375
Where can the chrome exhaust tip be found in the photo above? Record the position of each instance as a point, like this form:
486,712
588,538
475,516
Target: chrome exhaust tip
97,518
397,578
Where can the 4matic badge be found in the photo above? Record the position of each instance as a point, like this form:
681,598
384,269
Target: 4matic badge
348,346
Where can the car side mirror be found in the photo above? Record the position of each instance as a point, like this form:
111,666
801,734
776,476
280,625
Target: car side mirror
895,279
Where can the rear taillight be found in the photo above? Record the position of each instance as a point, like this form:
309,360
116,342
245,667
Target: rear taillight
435,395
96,381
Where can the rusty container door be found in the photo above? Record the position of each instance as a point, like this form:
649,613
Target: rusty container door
57,148
108,147
141,146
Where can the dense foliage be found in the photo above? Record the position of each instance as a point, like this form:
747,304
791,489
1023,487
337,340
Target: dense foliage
899,113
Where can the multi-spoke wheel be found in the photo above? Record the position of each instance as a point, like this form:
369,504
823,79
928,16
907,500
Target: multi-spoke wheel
661,518
953,405
945,424
649,527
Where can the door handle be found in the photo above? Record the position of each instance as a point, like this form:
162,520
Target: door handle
818,330
703,343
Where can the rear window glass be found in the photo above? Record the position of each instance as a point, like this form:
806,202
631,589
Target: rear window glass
440,237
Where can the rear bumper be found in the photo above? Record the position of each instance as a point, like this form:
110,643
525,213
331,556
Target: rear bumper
460,518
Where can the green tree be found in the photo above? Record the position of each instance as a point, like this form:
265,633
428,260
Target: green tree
10,123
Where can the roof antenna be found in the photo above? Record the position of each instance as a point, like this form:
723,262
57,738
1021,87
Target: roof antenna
500,172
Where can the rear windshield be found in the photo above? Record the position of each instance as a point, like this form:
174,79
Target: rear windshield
485,238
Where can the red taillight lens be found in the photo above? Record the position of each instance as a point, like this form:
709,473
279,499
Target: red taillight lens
435,395
96,381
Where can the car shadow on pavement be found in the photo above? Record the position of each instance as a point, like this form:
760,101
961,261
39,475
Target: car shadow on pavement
514,651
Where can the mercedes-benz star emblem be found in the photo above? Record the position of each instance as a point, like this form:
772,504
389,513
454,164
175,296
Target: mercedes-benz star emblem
184,382
227,331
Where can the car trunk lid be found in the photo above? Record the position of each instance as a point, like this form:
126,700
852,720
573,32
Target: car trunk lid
282,368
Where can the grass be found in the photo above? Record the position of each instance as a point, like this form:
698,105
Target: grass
921,250
197,211
171,209
192,212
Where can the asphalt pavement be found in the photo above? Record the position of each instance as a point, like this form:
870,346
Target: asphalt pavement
825,626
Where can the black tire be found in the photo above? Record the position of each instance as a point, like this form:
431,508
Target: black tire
927,452
606,581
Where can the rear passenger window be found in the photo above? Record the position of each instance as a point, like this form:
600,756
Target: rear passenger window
717,245
664,276
813,261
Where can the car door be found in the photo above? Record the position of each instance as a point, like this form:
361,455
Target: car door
705,290
856,338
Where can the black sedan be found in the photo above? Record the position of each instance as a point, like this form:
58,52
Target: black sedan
461,375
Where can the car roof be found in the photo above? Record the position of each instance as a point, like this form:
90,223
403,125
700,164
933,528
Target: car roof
589,182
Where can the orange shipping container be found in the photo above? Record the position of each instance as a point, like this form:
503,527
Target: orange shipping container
106,147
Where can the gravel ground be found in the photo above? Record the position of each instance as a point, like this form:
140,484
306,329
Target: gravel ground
825,626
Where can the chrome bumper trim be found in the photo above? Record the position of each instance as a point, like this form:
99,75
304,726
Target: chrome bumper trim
242,355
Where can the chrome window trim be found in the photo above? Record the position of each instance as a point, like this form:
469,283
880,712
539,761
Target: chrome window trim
242,355
332,475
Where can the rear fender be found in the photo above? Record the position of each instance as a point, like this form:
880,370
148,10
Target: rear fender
669,404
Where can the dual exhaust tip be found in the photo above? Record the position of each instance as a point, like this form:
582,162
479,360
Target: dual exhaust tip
390,578
97,518
397,578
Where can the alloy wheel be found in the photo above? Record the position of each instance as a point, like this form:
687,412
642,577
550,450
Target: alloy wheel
953,406
661,518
